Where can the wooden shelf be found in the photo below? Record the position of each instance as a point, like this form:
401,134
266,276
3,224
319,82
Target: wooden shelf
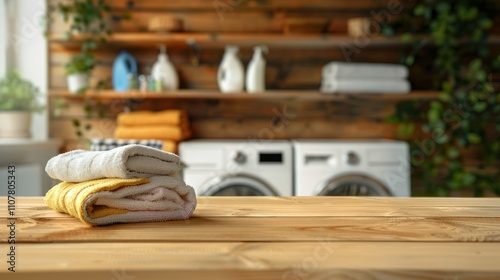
299,95
240,39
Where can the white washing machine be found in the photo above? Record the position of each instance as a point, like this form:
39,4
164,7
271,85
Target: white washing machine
238,168
352,168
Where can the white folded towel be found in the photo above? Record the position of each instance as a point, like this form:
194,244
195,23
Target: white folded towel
366,86
340,70
123,162
112,200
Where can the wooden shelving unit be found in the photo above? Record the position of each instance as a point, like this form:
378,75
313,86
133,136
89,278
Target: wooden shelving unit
304,95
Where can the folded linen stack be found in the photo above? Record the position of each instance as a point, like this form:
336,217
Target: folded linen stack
128,184
342,77
169,126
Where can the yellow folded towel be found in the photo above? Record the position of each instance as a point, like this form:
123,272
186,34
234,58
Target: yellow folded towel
114,200
161,132
139,118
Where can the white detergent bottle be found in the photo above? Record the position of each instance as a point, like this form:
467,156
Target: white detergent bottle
164,72
256,73
231,74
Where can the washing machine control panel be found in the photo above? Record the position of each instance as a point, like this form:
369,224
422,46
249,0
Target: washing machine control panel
242,157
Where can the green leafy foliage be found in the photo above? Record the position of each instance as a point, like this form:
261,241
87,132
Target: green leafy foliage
88,19
80,63
469,106
17,94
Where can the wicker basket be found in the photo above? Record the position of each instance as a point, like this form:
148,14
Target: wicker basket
358,27
164,24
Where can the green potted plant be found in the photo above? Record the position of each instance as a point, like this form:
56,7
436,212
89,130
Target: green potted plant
78,70
18,99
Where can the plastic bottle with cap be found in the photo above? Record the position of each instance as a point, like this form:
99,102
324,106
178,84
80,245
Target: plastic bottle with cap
231,73
256,73
164,72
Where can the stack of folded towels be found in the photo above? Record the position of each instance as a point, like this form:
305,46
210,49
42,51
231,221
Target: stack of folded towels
169,126
128,184
342,77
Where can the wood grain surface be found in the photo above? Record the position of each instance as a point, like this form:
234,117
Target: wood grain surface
267,238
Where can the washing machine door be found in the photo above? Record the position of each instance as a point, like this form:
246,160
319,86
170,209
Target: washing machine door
354,185
238,185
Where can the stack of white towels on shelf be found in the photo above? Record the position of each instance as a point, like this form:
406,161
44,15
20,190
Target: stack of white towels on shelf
343,77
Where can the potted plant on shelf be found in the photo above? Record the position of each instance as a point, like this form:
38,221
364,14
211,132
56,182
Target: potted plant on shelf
78,71
18,99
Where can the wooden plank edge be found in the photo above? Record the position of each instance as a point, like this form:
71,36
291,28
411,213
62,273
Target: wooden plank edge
285,259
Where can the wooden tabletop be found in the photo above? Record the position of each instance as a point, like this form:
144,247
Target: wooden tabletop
265,238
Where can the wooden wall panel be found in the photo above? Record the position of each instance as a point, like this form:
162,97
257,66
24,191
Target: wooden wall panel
263,129
242,21
246,128
244,16
339,5
102,128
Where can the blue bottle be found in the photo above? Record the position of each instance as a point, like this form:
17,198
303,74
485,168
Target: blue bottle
123,65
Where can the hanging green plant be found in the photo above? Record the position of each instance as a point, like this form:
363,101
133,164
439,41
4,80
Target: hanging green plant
87,18
467,113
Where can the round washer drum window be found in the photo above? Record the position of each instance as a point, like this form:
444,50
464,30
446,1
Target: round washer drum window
236,190
354,185
239,186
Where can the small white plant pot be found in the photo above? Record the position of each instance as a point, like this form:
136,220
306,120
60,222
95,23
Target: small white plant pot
78,82
15,124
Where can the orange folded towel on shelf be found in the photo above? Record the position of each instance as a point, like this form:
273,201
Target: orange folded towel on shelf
161,132
168,126
167,117
170,146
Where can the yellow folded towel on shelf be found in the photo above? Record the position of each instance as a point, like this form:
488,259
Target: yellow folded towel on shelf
114,200
161,132
167,117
